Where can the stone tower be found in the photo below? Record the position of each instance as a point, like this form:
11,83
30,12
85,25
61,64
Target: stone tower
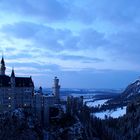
2,67
40,91
56,87
12,79
13,95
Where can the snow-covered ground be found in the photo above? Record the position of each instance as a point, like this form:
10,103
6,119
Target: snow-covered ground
113,113
64,108
86,96
96,103
88,100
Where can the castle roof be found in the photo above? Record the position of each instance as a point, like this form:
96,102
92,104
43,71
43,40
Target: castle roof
13,73
2,61
5,81
24,82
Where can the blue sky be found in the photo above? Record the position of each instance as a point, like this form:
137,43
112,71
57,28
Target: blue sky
87,44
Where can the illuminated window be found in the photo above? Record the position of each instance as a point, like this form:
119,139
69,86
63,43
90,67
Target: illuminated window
9,105
9,98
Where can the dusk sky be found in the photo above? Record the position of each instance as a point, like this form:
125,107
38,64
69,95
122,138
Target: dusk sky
86,43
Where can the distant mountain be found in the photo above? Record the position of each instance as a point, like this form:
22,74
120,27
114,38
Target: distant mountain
130,93
132,90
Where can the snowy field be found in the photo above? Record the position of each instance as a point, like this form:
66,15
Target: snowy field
88,100
85,96
96,103
114,114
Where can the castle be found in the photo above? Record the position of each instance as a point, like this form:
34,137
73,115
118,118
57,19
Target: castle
14,91
18,92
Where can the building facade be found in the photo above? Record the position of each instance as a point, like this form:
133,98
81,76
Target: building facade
43,103
14,91
18,92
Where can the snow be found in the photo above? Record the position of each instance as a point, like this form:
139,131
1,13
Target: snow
64,108
87,100
138,83
18,113
86,96
96,103
131,94
113,113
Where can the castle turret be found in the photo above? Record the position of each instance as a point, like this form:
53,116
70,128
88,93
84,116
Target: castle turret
40,91
13,78
56,87
2,67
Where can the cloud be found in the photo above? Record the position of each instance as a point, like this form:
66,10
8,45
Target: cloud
51,10
36,32
125,46
29,68
118,12
54,36
53,43
90,38
24,30
128,41
80,58
55,39
44,39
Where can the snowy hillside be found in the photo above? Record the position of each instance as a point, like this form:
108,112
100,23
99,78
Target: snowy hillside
111,113
96,103
132,89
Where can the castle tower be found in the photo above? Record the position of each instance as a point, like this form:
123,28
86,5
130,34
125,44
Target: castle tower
13,79
56,87
2,67
13,95
40,91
